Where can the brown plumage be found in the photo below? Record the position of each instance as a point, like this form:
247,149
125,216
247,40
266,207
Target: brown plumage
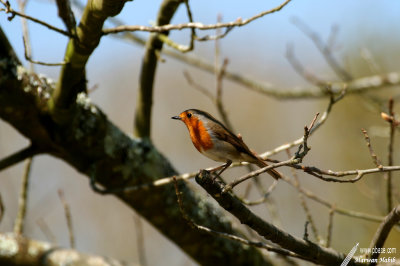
214,140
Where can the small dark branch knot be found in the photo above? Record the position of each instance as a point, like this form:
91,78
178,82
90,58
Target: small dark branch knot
305,236
299,155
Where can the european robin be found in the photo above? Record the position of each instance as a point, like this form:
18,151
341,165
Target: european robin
212,139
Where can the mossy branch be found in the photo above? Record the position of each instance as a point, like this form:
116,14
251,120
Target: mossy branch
72,77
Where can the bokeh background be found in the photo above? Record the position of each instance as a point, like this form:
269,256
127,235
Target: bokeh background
103,225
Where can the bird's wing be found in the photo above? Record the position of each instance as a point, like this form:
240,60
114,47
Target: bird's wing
232,139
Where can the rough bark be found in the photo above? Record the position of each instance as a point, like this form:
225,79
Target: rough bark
94,146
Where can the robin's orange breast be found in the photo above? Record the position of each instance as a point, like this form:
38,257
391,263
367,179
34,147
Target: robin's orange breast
200,137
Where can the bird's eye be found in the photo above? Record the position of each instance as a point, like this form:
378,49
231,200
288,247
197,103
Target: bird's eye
189,115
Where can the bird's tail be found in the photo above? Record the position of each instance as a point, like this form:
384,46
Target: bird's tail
275,174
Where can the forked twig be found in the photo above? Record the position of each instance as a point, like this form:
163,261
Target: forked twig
14,13
196,25
293,161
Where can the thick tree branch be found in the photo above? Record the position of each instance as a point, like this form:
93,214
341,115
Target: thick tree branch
311,251
72,78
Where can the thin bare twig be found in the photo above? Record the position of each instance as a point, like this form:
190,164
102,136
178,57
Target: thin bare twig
217,35
140,240
181,48
369,59
218,98
300,69
245,177
330,227
389,189
14,13
197,86
325,49
25,33
355,86
264,197
358,173
68,217
309,194
320,122
1,208
28,57
46,230
304,204
307,130
295,160
214,37
22,202
196,25
374,157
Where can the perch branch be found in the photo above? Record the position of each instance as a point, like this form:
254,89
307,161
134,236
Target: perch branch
207,230
307,249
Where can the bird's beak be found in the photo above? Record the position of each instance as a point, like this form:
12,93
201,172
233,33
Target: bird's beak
176,117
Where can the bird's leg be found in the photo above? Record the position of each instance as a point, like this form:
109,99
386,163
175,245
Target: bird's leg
224,167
